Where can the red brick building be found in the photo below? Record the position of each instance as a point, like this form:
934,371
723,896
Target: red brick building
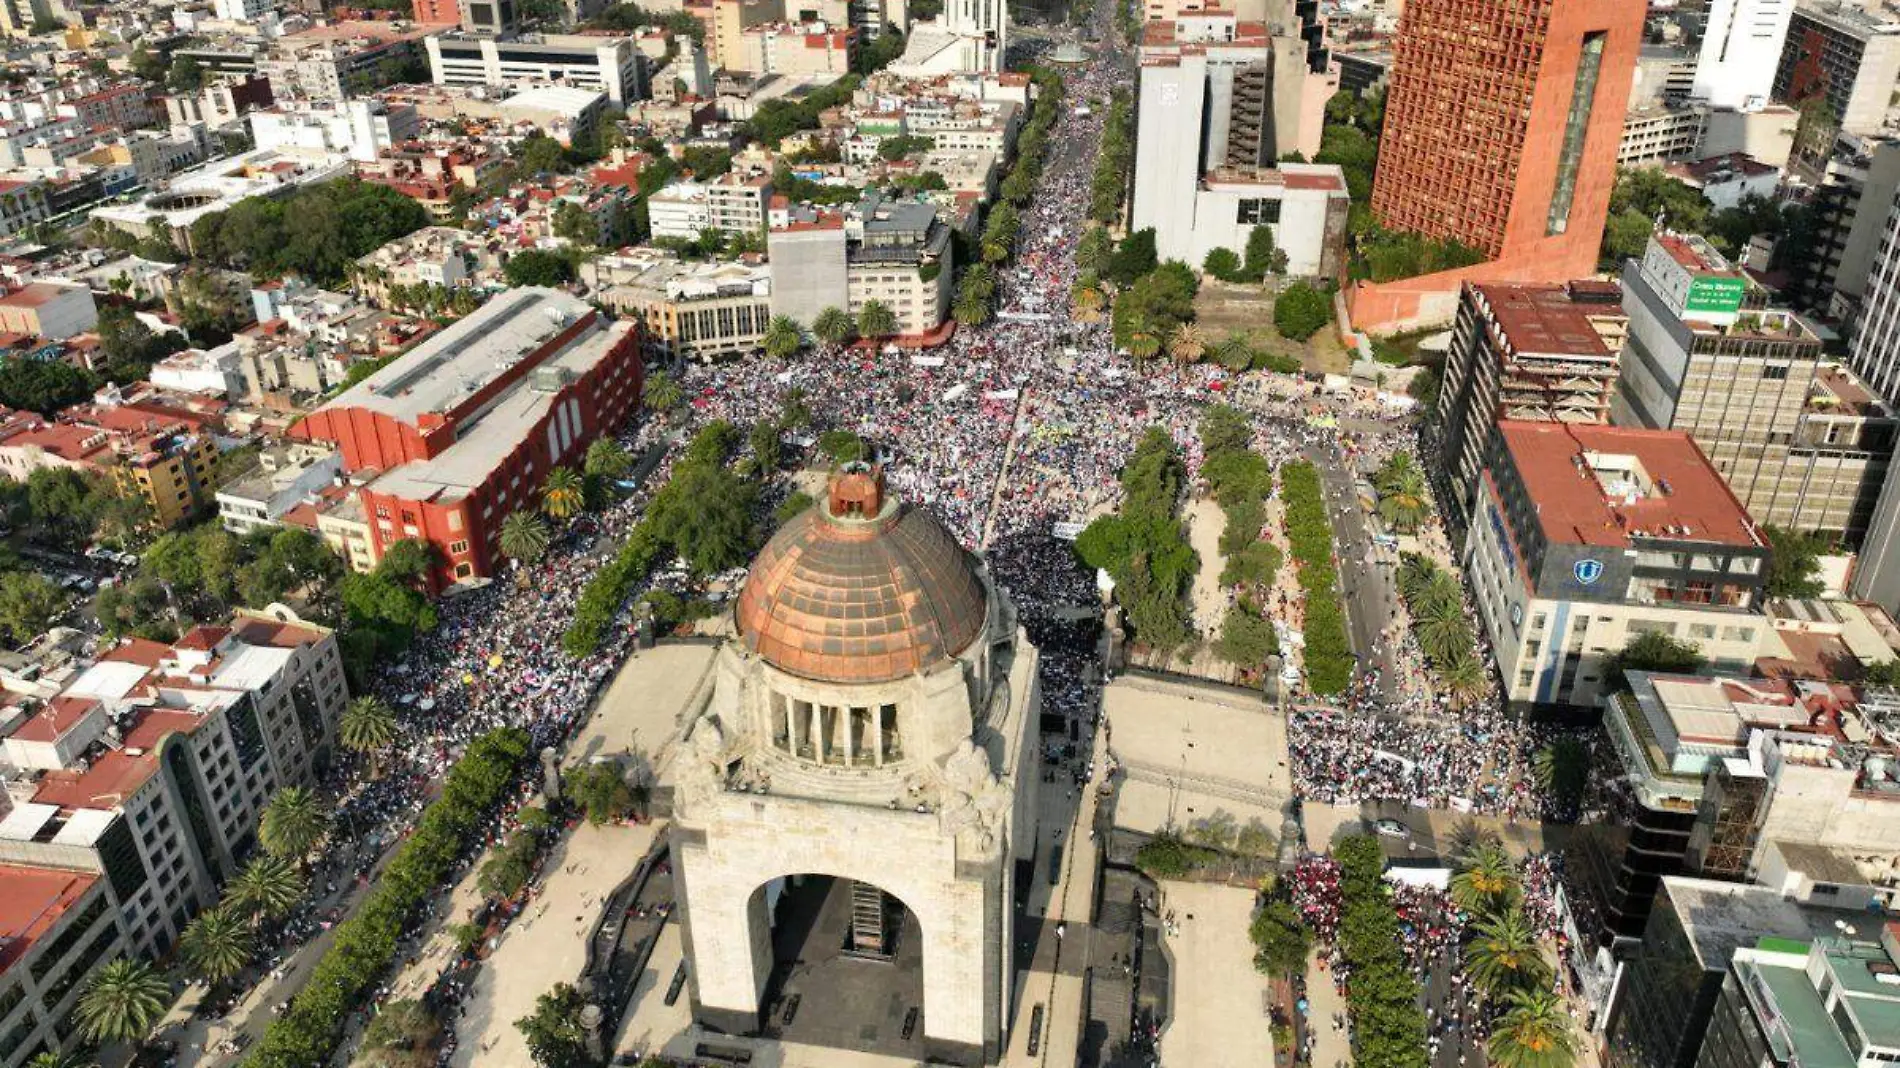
1501,128
438,11
464,428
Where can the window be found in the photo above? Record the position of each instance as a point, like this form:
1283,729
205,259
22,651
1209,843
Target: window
1258,211
1704,631
1775,372
457,548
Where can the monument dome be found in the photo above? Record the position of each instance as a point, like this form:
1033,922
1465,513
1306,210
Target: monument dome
861,588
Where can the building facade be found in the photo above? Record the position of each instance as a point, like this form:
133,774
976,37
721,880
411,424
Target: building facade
1661,133
465,427
1803,444
897,253
1502,126
57,925
1534,353
853,733
609,64
152,764
1845,57
1741,47
1585,537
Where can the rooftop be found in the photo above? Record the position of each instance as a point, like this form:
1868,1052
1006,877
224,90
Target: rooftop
1614,486
1722,917
32,901
1553,320
448,369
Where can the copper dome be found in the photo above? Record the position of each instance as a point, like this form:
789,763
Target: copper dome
860,588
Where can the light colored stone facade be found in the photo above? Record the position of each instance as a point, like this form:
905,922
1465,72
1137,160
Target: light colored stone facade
924,788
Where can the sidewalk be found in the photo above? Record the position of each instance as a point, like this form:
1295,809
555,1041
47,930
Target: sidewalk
1332,1046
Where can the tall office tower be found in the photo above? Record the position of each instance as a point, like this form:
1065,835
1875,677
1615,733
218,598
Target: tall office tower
1876,356
1801,442
1740,48
985,23
1221,100
1501,128
1845,55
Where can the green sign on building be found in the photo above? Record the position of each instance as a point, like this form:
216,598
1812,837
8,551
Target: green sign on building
1722,296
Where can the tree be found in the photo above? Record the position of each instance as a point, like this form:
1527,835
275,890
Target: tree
1280,939
834,326
607,458
1223,264
1486,882
535,267
524,537
28,603
573,223
1246,637
662,394
763,441
1094,250
1300,311
602,790
1656,651
367,725
1263,257
555,1036
216,945
1795,568
1187,344
56,1059
1404,496
403,1025
268,887
563,495
783,337
1533,1032
1562,769
43,386
538,153
292,824
1504,956
1134,257
1233,353
122,1002
876,320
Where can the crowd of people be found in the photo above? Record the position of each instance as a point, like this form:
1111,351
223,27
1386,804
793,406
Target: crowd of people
1478,761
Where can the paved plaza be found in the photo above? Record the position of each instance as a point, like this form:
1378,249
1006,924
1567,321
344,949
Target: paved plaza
1222,1010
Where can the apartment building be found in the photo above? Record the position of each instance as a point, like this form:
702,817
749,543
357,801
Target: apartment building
22,205
52,310
1844,55
1584,537
1660,133
1741,47
609,64
164,455
287,475
1799,439
152,764
56,925
702,311
1545,353
895,252
796,48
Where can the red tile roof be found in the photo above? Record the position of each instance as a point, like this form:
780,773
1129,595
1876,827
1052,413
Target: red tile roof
32,901
1572,507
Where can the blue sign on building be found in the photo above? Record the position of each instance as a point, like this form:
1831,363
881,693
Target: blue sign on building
1588,571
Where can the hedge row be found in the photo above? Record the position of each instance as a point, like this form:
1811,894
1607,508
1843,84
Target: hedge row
308,1033
1329,659
609,589
1381,994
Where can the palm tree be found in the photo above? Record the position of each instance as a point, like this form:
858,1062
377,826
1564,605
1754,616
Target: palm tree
607,458
1504,956
783,337
216,945
1486,883
1443,637
1534,1032
293,821
1143,344
368,724
876,320
1404,498
980,281
524,536
1562,769
661,394
56,1059
971,311
1233,353
1087,297
834,326
1463,677
563,495
1416,574
1187,344
122,1002
267,888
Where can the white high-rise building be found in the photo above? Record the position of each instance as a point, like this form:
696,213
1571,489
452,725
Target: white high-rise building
970,36
1740,52
1876,356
